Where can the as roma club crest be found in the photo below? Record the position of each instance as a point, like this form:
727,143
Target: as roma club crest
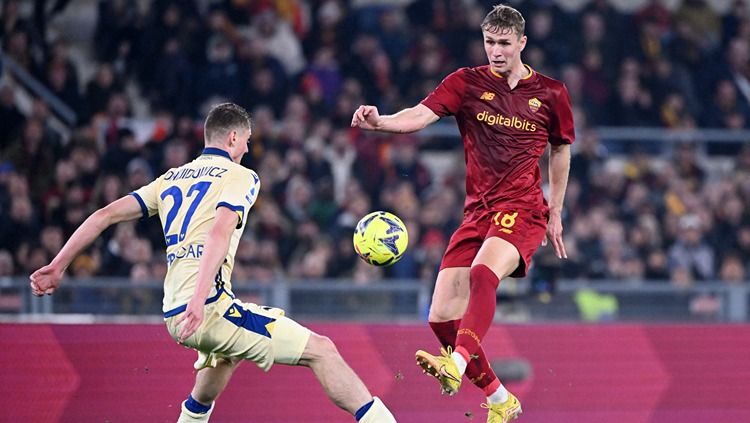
534,104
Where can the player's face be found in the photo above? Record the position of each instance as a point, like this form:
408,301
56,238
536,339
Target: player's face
503,49
240,144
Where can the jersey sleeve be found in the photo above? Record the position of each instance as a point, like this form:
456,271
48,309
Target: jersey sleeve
239,193
562,129
148,198
446,99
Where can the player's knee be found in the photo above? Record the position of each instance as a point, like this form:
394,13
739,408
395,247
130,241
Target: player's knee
322,346
444,312
482,276
328,348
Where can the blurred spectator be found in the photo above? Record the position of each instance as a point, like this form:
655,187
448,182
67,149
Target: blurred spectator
738,67
52,240
690,253
631,105
674,113
116,28
6,264
22,225
702,22
665,78
124,149
542,34
62,76
18,47
736,22
326,72
115,117
657,266
727,110
341,156
732,270
280,41
173,85
11,119
220,76
263,79
32,151
403,163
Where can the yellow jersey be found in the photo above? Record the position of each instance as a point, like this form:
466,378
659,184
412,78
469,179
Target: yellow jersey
186,199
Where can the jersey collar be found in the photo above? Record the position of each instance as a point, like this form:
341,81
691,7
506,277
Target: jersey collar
523,80
216,151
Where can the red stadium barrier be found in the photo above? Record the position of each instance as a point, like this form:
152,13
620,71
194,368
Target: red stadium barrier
609,373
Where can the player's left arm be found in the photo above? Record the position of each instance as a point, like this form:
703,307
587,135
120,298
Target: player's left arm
237,197
559,166
561,136
214,253
46,279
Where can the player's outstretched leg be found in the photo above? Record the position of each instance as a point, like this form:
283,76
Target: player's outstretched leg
209,383
341,384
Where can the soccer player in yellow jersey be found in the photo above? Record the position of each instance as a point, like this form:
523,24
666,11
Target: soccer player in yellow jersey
203,207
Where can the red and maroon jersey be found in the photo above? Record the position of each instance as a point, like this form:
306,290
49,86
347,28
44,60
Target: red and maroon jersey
504,133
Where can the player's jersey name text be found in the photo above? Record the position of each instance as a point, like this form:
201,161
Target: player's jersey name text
182,173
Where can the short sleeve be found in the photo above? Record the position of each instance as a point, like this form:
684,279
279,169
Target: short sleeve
148,198
562,128
239,193
446,99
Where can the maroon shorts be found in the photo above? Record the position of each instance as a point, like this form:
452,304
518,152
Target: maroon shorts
523,228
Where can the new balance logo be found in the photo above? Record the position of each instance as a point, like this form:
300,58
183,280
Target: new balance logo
487,96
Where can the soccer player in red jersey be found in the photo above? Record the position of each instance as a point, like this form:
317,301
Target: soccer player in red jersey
506,114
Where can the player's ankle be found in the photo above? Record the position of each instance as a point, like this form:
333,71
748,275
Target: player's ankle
498,395
193,411
196,407
461,357
374,412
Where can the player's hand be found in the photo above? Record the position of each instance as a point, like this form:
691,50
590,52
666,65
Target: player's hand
366,117
190,320
45,280
554,234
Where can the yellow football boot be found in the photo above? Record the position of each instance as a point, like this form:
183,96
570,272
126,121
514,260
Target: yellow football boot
442,368
504,412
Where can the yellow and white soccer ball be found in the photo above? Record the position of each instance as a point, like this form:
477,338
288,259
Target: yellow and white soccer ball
380,238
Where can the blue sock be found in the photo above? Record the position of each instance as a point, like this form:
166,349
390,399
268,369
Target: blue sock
194,406
363,410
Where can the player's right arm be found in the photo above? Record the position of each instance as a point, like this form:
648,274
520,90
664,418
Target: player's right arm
406,121
47,279
445,100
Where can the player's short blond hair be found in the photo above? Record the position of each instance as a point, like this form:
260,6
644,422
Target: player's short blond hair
224,118
502,18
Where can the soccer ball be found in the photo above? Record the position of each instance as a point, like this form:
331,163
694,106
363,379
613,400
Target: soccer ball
380,238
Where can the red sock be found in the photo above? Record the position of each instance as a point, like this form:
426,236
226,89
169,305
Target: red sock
478,370
482,301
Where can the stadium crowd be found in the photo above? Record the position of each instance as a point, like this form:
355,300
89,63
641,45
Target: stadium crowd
302,68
